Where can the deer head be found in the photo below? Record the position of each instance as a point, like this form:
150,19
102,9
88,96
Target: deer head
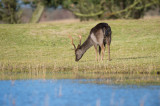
78,51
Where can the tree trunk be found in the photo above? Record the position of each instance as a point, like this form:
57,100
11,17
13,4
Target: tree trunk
37,13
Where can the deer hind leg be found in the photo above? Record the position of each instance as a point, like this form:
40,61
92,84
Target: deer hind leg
96,52
108,46
103,49
99,56
108,40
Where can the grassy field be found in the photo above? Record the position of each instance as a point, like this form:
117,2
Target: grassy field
44,49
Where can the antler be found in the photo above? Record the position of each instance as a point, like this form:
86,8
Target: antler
72,42
80,37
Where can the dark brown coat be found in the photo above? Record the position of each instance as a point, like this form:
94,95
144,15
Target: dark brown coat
100,35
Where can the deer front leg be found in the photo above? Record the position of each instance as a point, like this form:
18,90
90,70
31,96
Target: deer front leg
96,52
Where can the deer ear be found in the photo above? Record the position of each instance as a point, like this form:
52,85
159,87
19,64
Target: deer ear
78,46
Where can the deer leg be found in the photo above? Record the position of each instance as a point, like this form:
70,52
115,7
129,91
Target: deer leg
108,52
99,56
96,52
102,53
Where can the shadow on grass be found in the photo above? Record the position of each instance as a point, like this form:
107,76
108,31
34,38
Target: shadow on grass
134,58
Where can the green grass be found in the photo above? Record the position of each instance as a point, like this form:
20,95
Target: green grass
45,49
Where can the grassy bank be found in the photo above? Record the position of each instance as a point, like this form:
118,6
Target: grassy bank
38,49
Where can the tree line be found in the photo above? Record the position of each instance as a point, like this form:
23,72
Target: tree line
10,11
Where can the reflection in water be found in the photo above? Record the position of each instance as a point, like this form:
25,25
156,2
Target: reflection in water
75,92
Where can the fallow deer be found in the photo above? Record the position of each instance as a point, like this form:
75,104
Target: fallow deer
100,35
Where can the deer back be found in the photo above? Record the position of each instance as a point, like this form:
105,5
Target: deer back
101,34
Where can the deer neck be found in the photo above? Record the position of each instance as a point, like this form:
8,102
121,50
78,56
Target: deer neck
86,45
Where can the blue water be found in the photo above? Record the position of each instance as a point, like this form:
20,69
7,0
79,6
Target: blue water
73,93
